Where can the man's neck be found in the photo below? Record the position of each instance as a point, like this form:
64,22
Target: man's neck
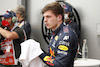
57,25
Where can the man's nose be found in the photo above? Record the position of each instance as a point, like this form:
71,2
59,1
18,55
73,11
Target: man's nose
45,19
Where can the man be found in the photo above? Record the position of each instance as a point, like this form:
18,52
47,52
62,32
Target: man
69,19
13,36
63,43
20,13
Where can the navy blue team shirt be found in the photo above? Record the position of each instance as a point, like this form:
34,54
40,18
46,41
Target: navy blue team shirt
62,48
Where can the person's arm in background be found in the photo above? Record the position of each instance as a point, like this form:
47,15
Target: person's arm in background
7,34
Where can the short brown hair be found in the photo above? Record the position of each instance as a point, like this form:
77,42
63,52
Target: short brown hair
55,7
21,10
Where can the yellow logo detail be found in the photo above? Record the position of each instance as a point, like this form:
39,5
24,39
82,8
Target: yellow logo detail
62,47
56,38
47,58
20,25
52,52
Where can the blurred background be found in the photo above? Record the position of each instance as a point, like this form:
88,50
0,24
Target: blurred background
88,11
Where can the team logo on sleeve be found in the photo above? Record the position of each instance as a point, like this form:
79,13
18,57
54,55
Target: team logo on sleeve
62,52
65,29
47,58
64,43
56,38
66,37
52,52
63,47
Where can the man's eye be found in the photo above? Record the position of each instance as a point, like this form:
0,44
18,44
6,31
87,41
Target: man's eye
48,16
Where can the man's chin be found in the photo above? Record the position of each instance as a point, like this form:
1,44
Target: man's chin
48,27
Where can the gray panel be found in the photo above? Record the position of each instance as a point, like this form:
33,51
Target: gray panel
34,16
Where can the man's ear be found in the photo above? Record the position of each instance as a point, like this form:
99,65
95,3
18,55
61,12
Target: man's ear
60,17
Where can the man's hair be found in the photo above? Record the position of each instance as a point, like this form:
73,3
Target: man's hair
55,7
21,10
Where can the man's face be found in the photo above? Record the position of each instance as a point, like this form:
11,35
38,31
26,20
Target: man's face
51,21
18,16
8,19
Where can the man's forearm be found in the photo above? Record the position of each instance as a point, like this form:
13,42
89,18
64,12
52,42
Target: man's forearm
7,34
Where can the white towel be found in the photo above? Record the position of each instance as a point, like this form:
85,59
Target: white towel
30,50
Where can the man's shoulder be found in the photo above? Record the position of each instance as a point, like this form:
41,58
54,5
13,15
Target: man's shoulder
26,24
67,29
18,29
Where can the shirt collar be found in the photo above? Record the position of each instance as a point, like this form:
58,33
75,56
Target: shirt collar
58,29
21,21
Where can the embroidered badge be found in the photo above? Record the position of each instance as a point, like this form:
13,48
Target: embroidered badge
47,58
56,38
52,52
66,37
63,47
65,29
